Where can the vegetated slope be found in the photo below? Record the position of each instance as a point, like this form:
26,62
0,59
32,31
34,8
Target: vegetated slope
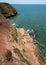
7,10
16,45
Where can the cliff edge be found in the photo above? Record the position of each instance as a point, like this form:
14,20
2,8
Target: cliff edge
7,10
16,45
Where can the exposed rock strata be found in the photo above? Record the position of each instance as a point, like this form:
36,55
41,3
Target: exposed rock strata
19,42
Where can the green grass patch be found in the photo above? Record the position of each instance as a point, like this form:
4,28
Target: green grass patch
25,61
14,37
15,31
4,11
3,8
16,50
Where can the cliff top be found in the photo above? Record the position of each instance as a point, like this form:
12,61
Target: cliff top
6,11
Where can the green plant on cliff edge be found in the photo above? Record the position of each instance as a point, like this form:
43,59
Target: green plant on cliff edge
4,11
8,55
14,35
16,50
16,32
3,8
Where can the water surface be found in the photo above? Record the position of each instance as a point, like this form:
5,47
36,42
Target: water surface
32,17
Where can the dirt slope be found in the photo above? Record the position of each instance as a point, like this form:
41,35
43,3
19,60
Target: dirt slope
16,45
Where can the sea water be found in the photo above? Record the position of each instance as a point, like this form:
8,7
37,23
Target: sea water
32,17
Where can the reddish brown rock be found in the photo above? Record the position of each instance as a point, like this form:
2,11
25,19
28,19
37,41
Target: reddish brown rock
19,43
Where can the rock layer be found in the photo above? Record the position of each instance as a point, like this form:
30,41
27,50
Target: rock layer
18,42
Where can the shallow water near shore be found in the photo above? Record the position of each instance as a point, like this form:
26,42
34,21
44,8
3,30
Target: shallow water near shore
33,17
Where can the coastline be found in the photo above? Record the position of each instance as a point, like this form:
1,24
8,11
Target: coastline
19,43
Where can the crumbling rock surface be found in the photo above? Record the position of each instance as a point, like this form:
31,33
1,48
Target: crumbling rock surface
20,46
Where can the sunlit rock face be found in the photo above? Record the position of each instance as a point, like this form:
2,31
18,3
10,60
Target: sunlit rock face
16,45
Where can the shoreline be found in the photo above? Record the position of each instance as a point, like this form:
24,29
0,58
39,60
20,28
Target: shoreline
39,45
17,43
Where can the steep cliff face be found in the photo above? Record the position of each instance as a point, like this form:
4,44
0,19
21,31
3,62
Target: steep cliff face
16,45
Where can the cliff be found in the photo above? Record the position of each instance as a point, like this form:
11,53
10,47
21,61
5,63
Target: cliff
7,10
16,45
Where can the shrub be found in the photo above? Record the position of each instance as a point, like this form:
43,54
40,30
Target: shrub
16,32
4,11
3,8
16,50
25,61
23,50
8,55
14,37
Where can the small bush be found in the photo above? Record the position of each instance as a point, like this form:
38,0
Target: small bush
4,11
23,50
16,32
8,55
25,61
3,8
16,50
14,37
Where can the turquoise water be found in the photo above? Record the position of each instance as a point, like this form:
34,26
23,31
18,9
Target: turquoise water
32,17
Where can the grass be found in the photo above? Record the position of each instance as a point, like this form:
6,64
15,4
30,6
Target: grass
11,7
16,32
25,61
16,50
4,11
14,37
3,8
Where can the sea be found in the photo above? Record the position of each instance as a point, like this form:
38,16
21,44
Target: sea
32,17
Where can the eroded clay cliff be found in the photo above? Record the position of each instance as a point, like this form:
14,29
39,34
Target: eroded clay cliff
16,45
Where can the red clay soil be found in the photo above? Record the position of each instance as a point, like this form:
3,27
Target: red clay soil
3,32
